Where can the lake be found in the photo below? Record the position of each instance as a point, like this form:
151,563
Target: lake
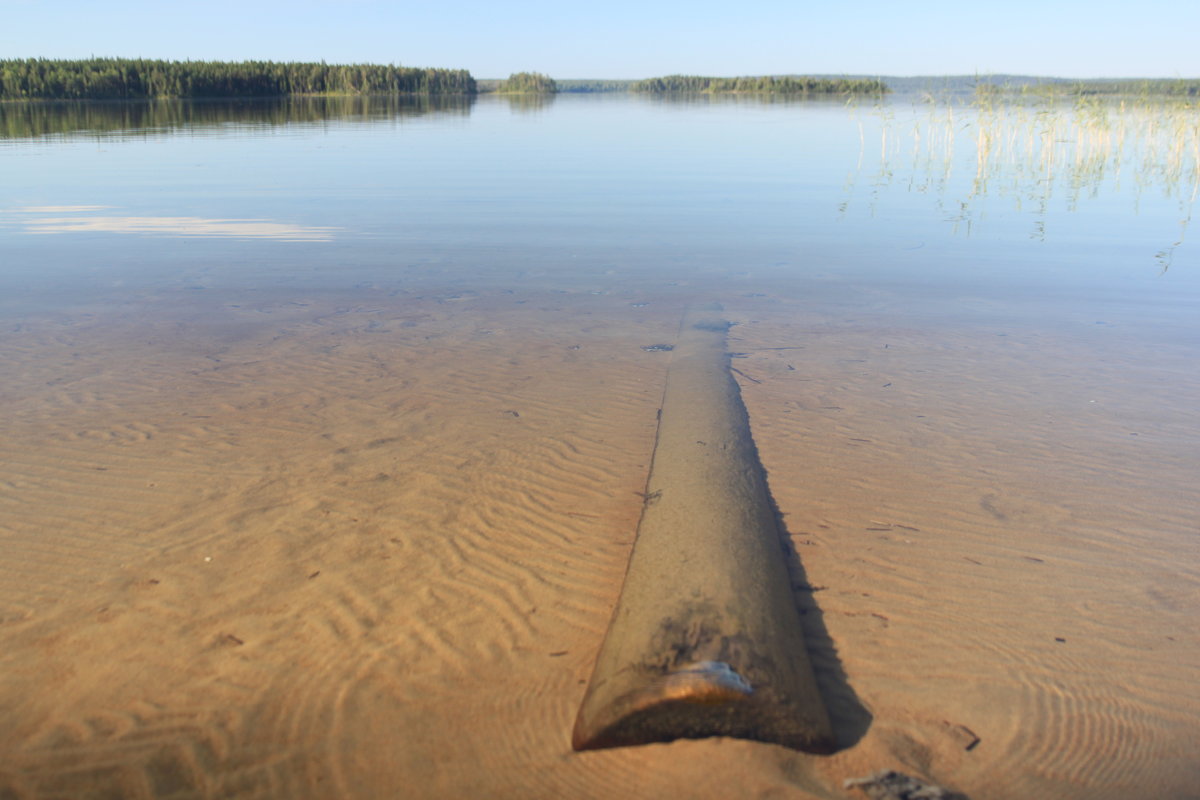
327,419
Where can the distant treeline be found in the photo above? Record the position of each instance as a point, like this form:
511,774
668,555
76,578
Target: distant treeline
587,86
137,79
1142,87
527,83
768,84
141,79
1041,85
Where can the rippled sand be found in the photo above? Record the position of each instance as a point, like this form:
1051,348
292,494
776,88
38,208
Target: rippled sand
298,544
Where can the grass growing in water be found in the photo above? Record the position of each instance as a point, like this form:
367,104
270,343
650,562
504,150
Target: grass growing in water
1033,149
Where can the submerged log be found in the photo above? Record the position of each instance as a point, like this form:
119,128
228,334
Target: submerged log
705,639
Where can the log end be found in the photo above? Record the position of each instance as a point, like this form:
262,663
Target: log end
698,701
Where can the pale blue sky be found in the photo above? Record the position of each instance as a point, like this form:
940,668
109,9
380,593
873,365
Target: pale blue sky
631,39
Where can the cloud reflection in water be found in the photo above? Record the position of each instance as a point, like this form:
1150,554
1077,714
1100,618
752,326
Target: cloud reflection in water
163,226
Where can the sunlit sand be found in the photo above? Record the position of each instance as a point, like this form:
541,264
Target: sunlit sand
382,551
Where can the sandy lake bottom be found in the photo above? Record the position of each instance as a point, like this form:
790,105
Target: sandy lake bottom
365,543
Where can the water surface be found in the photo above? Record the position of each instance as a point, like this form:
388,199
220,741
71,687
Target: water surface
327,421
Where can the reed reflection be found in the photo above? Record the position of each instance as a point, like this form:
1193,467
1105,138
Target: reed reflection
1035,153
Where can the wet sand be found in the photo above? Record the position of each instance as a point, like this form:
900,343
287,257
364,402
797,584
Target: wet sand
298,543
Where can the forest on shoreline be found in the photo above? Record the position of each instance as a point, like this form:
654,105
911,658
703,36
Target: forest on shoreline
145,79
527,83
765,84
149,79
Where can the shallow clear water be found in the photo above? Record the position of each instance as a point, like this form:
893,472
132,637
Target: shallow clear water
303,333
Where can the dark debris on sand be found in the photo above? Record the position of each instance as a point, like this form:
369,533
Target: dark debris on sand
892,785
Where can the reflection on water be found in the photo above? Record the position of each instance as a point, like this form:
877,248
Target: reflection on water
966,164
525,103
1033,154
157,117
82,222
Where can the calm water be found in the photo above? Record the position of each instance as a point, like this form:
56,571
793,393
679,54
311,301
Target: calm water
233,332
578,188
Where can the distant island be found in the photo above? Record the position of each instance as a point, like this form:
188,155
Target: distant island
527,83
142,79
764,84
